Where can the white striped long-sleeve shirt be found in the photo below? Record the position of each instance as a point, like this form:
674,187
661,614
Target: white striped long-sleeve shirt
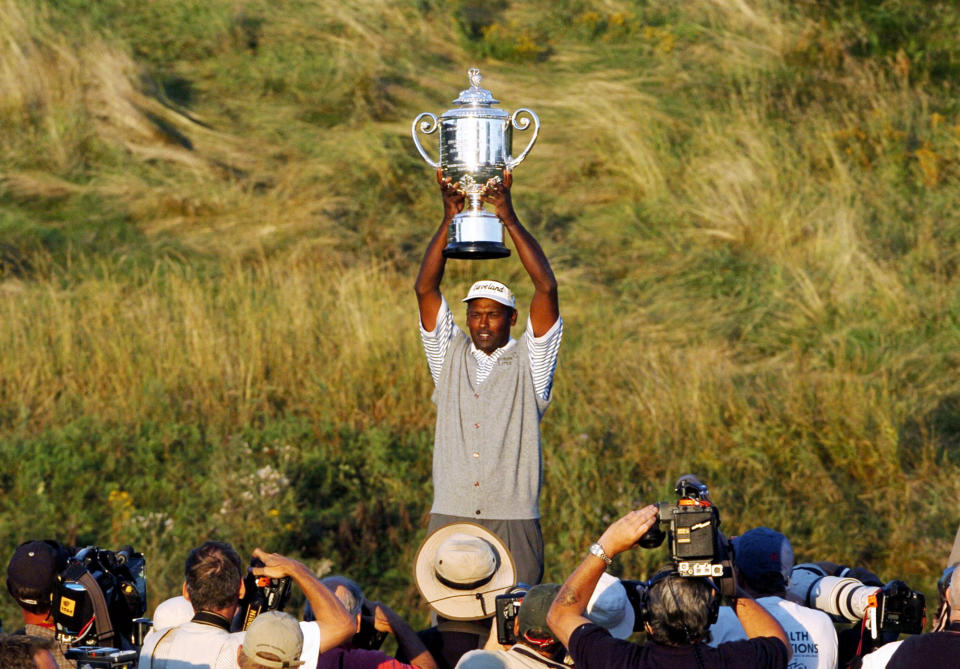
543,350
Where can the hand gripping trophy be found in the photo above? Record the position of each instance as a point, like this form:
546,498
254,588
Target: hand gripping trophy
475,146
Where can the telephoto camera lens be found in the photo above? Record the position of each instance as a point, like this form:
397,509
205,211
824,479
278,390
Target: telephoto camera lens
841,598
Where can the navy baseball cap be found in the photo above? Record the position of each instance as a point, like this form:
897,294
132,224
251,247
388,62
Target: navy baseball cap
763,551
34,567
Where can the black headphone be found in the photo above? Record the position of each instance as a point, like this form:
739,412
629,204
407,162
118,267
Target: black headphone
643,591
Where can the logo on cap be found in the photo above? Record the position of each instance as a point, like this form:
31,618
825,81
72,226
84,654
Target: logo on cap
493,290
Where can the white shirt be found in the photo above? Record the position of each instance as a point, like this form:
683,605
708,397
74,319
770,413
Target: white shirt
194,645
811,632
190,645
516,657
543,350
878,659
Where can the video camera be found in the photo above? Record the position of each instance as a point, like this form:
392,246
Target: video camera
262,593
894,608
99,598
697,547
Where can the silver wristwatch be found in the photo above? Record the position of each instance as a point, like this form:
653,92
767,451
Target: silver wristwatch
597,549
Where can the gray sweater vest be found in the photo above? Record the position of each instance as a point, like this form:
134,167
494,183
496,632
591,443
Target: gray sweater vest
487,461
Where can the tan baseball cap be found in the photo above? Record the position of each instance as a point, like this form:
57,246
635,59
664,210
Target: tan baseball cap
274,639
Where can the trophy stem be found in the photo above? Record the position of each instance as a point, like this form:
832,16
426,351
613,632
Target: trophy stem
476,204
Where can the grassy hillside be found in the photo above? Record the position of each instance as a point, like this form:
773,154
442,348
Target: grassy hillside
211,214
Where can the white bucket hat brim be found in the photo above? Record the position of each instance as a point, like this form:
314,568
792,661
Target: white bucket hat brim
463,603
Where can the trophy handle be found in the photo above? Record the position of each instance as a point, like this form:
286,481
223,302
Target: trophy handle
427,128
523,124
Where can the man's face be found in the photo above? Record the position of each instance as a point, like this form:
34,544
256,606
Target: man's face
489,323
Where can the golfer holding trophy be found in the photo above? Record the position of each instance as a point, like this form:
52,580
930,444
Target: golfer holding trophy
491,390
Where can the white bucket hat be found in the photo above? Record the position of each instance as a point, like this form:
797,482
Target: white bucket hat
461,568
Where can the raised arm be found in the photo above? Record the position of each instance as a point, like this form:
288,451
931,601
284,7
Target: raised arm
566,612
387,620
545,305
427,285
756,621
336,624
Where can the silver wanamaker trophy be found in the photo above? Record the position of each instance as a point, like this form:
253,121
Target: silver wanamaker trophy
475,146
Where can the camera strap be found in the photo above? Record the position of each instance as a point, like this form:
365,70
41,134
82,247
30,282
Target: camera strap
210,618
696,652
151,650
103,624
520,650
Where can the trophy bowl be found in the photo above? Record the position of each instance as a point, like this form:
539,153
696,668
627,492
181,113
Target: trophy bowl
475,146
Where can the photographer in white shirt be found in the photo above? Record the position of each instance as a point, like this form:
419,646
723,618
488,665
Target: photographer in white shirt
763,560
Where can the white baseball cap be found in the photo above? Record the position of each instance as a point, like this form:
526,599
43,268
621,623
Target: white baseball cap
172,612
609,607
493,290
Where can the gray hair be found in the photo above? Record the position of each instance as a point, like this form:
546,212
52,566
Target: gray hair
679,610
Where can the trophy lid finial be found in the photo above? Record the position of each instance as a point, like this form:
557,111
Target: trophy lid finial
475,96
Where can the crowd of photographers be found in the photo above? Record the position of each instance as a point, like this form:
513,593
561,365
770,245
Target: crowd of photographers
716,603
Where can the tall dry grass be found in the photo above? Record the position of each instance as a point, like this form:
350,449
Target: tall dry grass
257,339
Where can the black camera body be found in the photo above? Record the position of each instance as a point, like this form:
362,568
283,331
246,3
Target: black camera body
507,607
369,637
102,657
901,609
697,547
263,593
98,596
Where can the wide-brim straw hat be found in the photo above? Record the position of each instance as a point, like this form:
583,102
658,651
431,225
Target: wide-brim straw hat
461,568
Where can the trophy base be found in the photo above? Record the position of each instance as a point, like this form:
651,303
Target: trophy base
475,234
475,250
